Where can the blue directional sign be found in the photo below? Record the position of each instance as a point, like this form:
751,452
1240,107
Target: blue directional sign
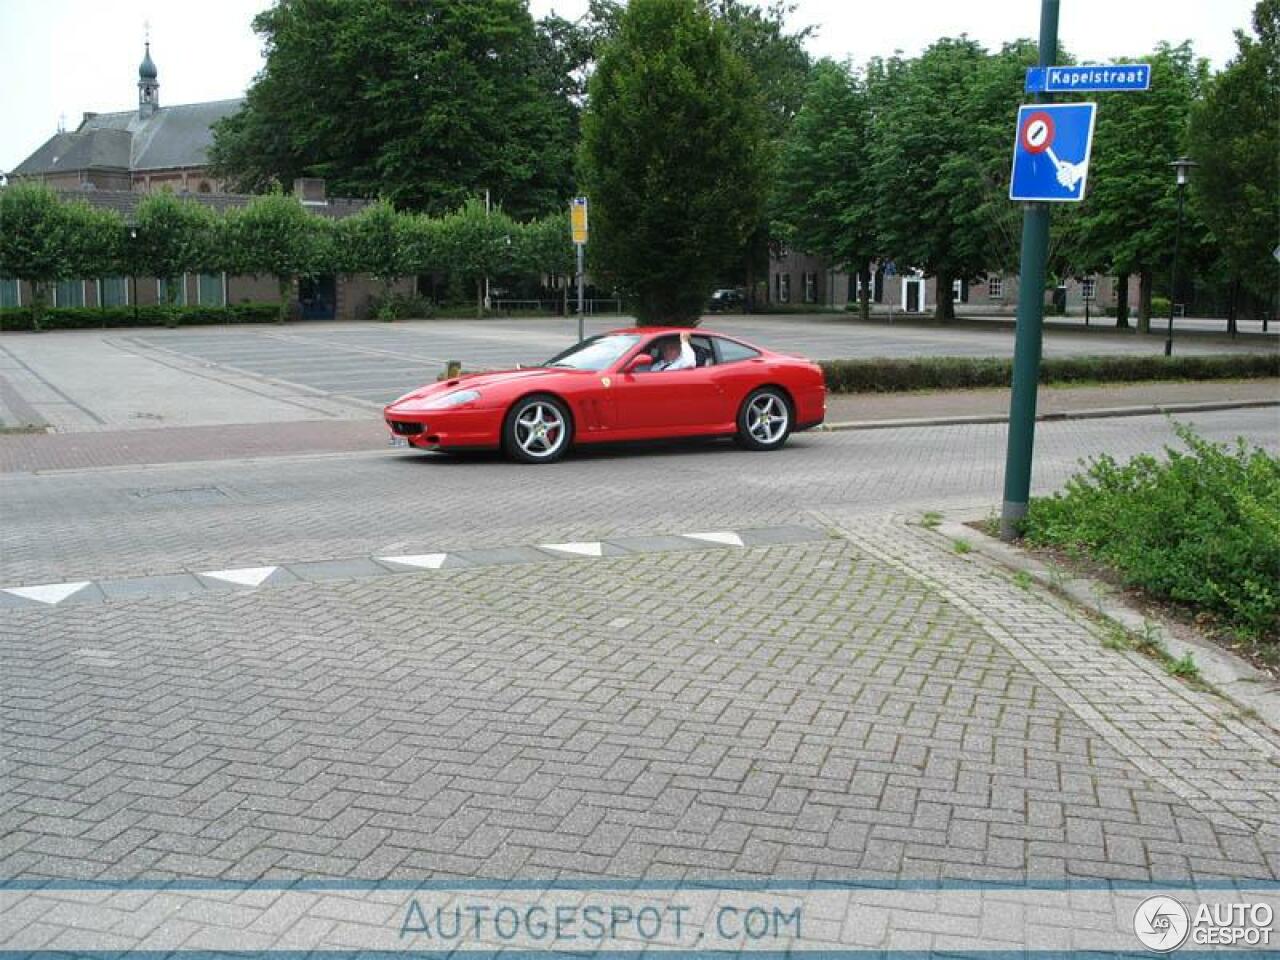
1051,153
1105,77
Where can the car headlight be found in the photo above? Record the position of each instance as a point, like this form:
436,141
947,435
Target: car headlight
457,398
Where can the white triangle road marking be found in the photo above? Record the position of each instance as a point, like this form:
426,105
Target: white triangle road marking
245,576
49,593
726,537
583,549
424,561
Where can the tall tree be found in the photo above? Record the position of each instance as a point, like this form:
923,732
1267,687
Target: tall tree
672,157
1128,219
824,200
424,103
1235,138
477,243
931,154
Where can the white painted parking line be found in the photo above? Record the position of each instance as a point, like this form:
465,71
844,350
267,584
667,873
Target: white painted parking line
582,549
245,576
422,561
726,537
50,593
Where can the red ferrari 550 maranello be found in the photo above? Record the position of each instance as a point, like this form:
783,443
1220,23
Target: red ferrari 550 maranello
633,384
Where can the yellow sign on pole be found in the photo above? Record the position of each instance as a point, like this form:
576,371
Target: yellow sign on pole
578,219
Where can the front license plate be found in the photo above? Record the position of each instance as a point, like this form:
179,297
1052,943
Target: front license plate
396,441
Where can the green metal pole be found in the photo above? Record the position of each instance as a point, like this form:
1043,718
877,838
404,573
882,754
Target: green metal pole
1030,330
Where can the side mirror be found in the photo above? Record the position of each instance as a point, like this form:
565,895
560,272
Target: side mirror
638,363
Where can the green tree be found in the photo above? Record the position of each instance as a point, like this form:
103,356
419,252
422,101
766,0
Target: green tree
1235,138
1128,219
174,237
275,236
824,199
97,241
545,246
940,149
36,240
376,241
673,157
476,243
422,103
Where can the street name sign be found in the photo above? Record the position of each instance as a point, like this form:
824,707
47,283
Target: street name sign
578,220
1108,77
1051,152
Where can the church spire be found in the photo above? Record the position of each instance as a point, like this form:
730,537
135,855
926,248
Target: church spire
148,84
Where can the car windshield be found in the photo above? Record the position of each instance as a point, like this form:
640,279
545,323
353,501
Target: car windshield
594,353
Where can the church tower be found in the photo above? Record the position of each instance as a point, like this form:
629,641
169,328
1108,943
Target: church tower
148,85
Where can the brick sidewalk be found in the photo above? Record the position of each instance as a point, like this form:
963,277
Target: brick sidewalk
871,706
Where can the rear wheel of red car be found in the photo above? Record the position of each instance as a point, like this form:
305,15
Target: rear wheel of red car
765,420
537,430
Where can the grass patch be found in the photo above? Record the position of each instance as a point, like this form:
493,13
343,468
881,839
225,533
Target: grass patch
22,428
1200,528
895,375
961,546
931,519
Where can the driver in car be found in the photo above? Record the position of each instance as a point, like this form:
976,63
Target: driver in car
676,354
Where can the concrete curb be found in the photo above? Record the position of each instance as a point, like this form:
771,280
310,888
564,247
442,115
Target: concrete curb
1230,676
1099,413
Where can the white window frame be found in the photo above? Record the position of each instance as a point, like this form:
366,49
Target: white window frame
183,301
83,298
124,280
200,302
784,280
1089,288
17,292
995,288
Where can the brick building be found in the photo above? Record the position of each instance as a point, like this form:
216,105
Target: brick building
112,159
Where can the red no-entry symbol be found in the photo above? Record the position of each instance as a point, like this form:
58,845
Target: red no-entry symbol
1036,134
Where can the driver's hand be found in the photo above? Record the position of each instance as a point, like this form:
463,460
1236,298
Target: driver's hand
684,336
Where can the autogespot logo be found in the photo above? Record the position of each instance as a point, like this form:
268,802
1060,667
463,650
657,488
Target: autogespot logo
1161,923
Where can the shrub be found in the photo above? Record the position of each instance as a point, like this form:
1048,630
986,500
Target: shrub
952,373
92,318
1201,528
400,306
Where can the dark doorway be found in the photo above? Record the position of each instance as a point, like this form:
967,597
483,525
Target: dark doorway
319,297
913,296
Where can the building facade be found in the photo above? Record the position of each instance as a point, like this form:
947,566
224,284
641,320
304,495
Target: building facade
112,159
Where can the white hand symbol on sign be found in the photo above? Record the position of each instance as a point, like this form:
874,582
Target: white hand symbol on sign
1069,174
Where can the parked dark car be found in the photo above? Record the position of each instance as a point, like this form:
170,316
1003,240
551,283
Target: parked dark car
723,301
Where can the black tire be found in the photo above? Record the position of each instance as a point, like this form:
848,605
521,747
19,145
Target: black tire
765,419
522,440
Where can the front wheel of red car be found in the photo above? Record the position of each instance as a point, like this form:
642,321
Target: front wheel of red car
764,422
537,430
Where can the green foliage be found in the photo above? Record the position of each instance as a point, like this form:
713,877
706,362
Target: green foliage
940,143
1235,138
401,306
1127,222
476,243
1201,528
425,104
546,246
824,198
673,157
37,241
377,241
274,235
890,375
172,237
92,318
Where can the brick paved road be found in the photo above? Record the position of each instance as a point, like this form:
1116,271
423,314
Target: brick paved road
868,706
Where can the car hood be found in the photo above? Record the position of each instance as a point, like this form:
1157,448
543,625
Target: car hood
478,381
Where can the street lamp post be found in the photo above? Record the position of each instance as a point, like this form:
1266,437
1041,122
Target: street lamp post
1182,169
133,273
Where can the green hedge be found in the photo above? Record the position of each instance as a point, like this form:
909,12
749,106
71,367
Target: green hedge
93,318
1201,528
953,373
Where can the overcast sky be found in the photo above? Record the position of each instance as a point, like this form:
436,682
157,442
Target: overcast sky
59,58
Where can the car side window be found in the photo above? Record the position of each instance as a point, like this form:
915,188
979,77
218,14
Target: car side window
731,351
701,345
